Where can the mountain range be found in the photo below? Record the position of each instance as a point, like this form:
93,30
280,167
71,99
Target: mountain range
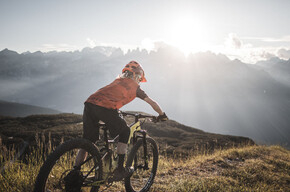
203,90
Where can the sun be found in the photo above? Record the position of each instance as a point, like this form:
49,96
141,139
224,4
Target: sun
187,34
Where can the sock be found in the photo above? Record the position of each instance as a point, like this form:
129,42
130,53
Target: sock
121,160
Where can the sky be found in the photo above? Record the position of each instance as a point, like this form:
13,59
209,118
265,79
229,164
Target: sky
249,30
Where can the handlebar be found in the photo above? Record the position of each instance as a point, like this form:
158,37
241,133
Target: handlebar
138,116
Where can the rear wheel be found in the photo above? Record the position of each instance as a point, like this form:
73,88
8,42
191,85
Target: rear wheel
144,173
58,172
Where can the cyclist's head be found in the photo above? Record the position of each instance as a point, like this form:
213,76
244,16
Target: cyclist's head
135,70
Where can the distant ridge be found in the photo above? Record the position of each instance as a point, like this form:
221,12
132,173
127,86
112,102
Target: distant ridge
22,110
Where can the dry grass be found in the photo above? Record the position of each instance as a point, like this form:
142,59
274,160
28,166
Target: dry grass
253,168
18,176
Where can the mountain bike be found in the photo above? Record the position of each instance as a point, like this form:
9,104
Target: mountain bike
96,172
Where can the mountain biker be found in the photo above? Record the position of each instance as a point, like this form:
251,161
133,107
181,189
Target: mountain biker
104,104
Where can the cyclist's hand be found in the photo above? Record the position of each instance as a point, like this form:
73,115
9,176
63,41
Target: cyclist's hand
162,117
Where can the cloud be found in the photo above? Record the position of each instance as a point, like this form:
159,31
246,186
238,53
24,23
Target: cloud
148,44
58,47
155,45
283,53
91,42
233,41
160,45
260,54
236,47
282,39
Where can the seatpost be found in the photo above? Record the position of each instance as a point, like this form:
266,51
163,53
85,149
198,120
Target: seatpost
136,118
106,137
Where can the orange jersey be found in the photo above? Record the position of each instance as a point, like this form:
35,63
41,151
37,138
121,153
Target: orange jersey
115,95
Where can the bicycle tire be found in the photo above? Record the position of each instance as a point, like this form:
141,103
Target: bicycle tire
58,155
132,184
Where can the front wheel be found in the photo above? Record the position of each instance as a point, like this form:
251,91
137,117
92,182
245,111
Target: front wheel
145,167
59,174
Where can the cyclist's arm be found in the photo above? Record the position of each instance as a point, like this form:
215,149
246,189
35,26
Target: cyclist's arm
154,105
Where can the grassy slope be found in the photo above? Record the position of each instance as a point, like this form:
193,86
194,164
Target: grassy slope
253,168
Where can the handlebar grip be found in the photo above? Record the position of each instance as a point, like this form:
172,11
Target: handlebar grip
154,119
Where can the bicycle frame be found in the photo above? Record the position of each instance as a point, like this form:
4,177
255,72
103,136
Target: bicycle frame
136,132
135,128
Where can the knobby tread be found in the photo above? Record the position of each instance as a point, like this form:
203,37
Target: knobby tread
130,160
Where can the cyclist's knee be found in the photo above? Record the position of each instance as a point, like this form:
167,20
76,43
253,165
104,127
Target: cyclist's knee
124,135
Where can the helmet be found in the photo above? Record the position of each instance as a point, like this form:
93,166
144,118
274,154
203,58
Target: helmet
136,69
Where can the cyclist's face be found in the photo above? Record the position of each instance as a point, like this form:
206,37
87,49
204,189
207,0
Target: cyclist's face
138,78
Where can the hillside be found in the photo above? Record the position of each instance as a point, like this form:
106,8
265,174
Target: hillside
22,110
172,136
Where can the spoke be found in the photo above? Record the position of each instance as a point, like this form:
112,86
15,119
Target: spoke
94,168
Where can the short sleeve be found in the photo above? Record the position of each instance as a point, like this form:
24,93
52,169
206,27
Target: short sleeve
140,93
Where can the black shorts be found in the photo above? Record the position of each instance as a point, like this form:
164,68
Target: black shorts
114,121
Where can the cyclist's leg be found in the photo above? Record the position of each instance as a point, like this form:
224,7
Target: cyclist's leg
117,125
90,129
122,144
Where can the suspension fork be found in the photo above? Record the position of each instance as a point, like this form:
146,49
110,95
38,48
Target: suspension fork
145,150
144,133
